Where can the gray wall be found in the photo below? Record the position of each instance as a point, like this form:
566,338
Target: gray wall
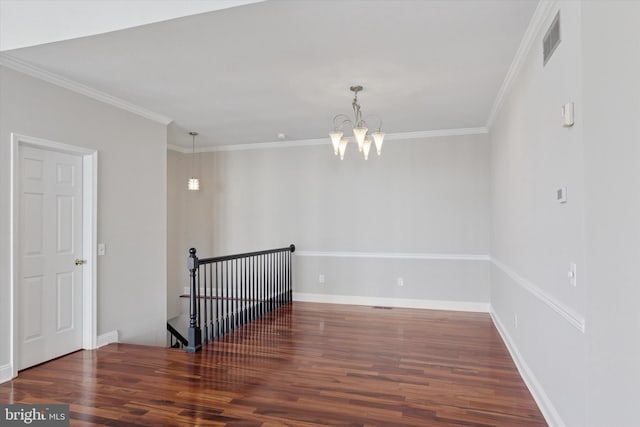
580,376
421,196
533,237
131,203
611,67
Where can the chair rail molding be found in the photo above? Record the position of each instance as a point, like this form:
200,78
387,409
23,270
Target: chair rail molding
396,255
575,319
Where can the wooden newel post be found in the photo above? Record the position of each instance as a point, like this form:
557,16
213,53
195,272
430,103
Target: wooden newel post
195,335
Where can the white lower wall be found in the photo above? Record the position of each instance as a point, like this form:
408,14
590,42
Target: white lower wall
376,277
549,348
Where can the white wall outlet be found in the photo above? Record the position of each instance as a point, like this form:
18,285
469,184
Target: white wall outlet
102,249
515,320
321,279
400,281
572,274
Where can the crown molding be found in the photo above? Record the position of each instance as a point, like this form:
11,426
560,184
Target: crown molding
400,136
436,133
541,14
47,76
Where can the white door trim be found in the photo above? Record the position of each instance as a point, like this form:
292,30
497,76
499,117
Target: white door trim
89,230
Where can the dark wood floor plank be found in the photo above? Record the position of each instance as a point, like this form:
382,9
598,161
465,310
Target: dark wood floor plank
303,365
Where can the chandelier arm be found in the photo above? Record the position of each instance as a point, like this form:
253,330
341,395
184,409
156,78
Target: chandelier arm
345,120
376,117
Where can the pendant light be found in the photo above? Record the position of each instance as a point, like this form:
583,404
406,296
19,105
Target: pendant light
194,183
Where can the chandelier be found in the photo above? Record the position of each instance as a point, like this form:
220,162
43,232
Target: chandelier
360,129
194,183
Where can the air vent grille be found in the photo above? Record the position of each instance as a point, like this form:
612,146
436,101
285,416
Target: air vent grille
551,39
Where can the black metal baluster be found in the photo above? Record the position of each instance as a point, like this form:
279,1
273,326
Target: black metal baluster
254,284
226,301
263,286
234,324
245,319
285,266
242,285
266,282
216,329
250,284
194,338
280,279
272,282
204,302
211,302
290,281
231,294
275,281
287,260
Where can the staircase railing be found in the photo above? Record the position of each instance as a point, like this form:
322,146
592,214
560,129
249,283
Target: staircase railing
231,291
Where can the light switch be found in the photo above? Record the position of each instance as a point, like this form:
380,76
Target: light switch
561,195
101,249
572,274
567,115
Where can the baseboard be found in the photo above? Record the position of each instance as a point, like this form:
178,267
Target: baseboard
481,307
108,338
6,373
549,411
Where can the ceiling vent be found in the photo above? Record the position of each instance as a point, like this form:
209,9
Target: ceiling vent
551,39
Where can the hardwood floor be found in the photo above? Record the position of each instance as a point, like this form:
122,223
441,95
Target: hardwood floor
303,365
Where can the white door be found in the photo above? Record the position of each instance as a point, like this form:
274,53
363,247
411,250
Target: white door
50,290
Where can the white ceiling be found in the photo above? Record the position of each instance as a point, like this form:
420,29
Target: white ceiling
26,23
242,75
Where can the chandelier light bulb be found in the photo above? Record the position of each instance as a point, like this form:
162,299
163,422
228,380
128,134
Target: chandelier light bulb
342,147
378,137
359,134
366,147
335,140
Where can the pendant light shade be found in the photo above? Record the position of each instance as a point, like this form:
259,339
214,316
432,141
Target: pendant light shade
194,184
335,140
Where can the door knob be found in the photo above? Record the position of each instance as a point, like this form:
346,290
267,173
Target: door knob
80,261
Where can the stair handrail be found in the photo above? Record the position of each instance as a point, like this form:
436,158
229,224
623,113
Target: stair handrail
195,332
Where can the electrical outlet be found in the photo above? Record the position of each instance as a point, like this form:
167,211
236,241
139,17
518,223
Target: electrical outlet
400,281
321,279
515,320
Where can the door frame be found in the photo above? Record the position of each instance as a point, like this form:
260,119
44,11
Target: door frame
89,239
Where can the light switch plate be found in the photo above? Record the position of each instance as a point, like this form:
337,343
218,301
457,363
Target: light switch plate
561,195
567,115
102,249
572,274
